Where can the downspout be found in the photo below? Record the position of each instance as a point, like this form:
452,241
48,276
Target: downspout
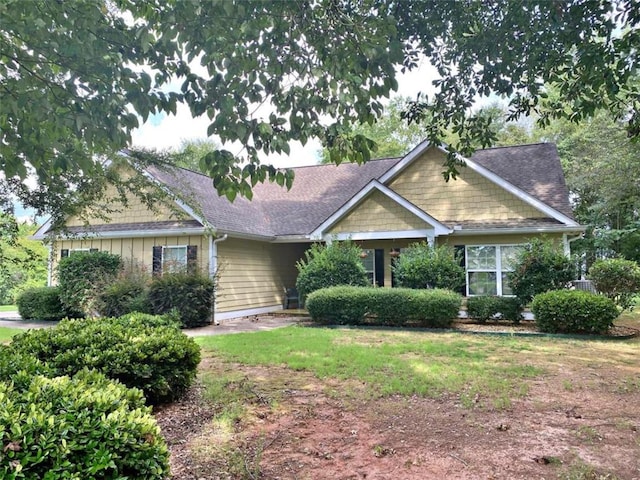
567,242
213,266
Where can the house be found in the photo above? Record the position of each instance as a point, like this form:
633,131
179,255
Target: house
504,197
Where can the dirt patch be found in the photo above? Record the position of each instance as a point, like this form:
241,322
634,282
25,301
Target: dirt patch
311,430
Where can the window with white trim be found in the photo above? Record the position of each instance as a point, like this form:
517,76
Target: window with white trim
174,258
488,267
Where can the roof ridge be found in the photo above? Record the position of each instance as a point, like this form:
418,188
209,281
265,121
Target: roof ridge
516,146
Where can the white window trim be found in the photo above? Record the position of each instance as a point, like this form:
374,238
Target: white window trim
173,247
371,253
498,270
78,250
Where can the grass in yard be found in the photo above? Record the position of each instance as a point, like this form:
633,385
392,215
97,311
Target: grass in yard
8,308
7,333
389,363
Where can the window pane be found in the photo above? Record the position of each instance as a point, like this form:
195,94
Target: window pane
508,256
482,283
174,258
369,263
481,258
506,287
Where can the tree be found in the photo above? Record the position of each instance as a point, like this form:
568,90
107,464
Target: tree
77,77
191,152
392,135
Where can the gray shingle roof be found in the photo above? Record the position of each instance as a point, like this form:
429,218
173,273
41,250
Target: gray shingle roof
318,191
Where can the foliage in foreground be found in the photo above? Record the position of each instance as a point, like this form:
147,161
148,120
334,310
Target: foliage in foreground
325,266
573,311
384,306
85,426
424,266
141,351
540,266
617,279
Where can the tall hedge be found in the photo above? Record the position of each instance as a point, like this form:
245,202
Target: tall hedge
189,295
329,265
618,279
424,266
83,275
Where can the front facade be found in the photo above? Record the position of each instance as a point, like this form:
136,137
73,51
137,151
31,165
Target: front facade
502,199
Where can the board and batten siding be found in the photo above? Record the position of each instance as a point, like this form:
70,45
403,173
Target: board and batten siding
139,250
252,274
470,197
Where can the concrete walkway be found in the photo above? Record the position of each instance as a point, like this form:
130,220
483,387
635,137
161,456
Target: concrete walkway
236,325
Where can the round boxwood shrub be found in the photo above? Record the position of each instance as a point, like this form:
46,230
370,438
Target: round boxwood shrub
423,266
573,311
190,295
329,265
539,267
157,358
617,279
43,303
80,427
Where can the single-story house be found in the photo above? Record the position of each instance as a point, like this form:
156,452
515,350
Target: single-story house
503,198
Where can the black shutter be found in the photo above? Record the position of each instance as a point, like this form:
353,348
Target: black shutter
379,266
64,253
93,250
192,258
460,255
156,263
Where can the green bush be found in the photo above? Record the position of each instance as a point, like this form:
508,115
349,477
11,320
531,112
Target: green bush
539,267
123,296
423,266
384,306
191,295
19,368
77,428
43,303
573,311
153,355
617,279
83,275
329,265
485,308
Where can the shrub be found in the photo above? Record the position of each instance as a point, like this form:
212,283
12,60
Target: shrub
154,356
19,368
191,295
539,267
384,306
123,296
573,311
80,427
423,266
484,308
43,303
83,275
329,265
617,279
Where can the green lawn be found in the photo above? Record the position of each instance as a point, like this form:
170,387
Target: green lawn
8,308
6,333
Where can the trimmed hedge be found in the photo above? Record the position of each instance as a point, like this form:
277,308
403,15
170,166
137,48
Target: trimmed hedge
190,295
81,427
43,303
138,350
384,306
573,311
485,308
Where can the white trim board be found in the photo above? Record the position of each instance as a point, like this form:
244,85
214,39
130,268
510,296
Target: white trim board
166,232
437,227
383,235
219,316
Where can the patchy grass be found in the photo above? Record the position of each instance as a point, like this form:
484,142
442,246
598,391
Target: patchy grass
387,362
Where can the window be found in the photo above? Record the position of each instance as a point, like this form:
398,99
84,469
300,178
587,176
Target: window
65,252
488,267
174,258
369,262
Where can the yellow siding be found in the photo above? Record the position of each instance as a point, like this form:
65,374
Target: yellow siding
137,249
470,197
379,212
134,212
253,274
